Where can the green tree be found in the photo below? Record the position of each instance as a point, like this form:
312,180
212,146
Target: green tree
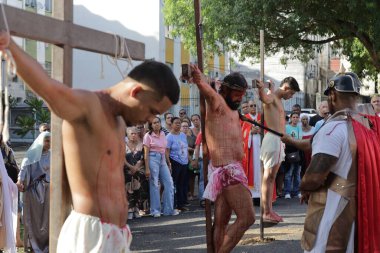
29,123
296,27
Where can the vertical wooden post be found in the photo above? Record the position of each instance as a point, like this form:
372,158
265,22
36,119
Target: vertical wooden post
262,130
60,197
198,35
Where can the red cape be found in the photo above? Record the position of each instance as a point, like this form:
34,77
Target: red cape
248,151
368,185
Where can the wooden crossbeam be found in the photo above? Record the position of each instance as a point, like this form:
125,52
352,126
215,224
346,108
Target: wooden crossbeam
47,29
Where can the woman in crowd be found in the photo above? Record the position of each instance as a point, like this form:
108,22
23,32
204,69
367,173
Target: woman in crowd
156,168
196,122
193,172
34,181
136,182
292,159
177,153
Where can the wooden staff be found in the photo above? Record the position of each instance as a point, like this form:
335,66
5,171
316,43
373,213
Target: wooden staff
254,122
198,35
262,130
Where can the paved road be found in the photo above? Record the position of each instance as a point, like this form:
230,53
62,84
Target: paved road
186,232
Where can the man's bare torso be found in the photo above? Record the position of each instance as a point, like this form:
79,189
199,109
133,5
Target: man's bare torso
94,151
223,133
274,115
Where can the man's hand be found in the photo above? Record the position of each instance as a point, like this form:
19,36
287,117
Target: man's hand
255,129
5,39
147,172
196,75
286,138
20,186
259,84
194,163
271,87
305,197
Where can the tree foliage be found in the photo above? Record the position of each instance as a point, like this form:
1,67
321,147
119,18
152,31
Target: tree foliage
295,27
27,123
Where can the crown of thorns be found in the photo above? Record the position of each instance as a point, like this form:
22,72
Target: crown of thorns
234,86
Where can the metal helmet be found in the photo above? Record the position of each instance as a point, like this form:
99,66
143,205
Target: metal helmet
344,82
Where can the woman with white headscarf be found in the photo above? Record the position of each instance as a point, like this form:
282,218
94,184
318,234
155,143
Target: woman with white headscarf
34,179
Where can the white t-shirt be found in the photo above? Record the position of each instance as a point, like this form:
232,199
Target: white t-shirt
332,139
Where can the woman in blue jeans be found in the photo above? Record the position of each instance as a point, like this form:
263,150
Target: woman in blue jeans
177,152
157,169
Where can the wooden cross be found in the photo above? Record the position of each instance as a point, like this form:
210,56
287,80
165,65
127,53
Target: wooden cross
64,34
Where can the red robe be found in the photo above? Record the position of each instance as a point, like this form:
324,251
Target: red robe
248,151
368,185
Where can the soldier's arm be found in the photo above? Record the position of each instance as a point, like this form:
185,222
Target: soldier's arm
303,145
317,172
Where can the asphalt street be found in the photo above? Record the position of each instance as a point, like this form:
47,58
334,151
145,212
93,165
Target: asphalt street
187,232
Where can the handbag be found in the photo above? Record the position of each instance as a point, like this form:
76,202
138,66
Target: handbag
293,157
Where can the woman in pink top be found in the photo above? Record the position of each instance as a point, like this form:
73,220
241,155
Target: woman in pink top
156,167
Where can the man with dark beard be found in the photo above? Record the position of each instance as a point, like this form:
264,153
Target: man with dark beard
227,184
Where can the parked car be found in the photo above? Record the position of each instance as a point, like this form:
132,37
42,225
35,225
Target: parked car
310,111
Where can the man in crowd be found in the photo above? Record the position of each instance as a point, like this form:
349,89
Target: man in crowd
296,108
244,107
182,114
375,101
322,110
341,183
93,132
44,127
227,184
252,143
272,149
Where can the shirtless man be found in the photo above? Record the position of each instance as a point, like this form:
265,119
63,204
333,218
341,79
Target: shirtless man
272,149
227,184
93,133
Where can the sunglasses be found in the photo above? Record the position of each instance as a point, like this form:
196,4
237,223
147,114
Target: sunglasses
252,105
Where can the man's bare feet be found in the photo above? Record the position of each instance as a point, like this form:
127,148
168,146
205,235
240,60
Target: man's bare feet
279,218
271,218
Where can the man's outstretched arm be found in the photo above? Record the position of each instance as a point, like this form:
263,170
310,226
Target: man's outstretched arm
207,91
66,103
266,98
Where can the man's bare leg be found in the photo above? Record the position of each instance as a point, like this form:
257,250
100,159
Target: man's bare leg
222,217
239,200
269,179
